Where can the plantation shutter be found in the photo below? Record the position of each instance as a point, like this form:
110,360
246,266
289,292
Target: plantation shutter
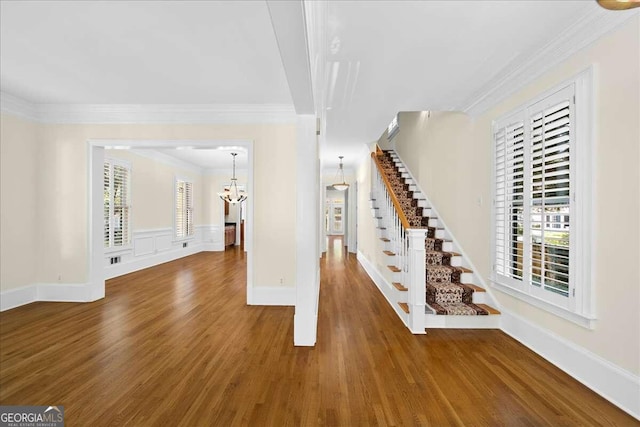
533,198
107,204
551,134
117,204
509,199
184,208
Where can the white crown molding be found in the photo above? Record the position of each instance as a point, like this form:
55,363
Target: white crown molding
585,31
18,107
148,114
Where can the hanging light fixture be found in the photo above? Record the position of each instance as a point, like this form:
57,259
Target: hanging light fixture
343,185
232,194
619,4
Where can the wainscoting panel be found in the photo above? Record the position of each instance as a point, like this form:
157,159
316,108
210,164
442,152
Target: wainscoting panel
143,246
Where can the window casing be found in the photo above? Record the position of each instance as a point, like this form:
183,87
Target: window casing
184,227
541,244
117,203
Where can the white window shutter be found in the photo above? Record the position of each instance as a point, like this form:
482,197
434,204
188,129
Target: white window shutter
117,203
184,224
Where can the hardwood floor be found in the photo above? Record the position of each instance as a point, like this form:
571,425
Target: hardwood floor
176,345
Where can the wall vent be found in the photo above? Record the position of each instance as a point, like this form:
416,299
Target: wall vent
115,260
184,245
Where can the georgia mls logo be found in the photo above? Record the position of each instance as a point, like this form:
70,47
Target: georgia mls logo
31,416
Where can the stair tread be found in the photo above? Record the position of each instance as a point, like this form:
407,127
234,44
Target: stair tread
404,306
389,253
394,268
489,309
399,286
384,239
474,287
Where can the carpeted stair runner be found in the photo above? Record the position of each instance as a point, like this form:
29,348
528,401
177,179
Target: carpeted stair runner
445,293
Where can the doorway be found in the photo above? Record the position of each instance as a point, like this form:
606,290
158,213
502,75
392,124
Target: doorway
336,212
96,157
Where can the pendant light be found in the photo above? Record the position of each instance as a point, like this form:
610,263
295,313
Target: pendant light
232,194
343,185
619,4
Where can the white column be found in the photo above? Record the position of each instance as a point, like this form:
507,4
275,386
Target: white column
95,289
417,277
305,320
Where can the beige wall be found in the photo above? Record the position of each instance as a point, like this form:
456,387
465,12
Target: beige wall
59,168
453,160
18,201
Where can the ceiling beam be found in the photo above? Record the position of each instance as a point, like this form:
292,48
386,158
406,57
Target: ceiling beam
289,26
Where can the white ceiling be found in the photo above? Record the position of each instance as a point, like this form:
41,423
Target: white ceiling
141,52
381,56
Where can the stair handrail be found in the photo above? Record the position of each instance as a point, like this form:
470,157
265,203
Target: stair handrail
409,248
387,184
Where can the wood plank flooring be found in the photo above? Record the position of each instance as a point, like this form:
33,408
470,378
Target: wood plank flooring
176,345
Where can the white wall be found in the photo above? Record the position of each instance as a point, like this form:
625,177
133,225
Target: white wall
451,156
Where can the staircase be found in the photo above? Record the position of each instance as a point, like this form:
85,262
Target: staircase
452,297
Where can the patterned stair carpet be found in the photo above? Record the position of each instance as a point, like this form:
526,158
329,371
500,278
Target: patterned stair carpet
445,293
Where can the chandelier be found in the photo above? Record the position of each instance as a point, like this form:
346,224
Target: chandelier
231,193
343,185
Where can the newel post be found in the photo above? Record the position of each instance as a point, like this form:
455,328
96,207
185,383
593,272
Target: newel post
417,277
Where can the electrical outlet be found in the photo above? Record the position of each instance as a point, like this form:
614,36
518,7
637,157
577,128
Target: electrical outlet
281,281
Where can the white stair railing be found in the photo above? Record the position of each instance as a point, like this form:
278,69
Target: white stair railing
405,242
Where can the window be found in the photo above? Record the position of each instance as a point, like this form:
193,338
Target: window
117,203
393,127
541,192
184,209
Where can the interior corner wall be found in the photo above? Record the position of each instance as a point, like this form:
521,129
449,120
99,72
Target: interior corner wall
18,202
62,203
451,158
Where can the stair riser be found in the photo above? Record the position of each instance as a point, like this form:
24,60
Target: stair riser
462,322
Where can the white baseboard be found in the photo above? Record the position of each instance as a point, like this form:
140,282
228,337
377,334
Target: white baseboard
305,319
46,292
16,297
617,385
273,295
57,292
146,261
385,287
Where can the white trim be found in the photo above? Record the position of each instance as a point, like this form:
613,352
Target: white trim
585,31
148,113
18,107
274,295
151,259
60,292
578,319
12,298
44,292
619,386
